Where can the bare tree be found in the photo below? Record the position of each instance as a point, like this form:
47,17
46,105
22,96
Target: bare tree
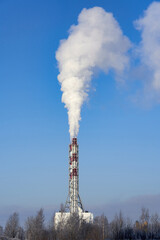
1,231
69,229
102,222
51,229
73,226
144,221
21,234
35,226
117,227
86,231
144,215
12,226
155,226
95,233
129,233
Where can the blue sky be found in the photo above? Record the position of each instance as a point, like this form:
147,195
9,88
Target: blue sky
118,139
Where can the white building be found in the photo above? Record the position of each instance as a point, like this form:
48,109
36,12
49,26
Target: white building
62,217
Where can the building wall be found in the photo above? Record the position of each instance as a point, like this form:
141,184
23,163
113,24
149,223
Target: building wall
63,217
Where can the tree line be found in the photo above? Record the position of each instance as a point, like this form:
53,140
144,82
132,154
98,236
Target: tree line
120,228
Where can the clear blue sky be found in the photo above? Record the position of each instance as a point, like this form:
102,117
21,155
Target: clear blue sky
118,140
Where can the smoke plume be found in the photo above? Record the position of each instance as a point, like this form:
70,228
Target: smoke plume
95,42
149,48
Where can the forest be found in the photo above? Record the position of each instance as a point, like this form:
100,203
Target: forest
120,228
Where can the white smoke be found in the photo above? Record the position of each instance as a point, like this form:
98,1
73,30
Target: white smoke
149,48
95,42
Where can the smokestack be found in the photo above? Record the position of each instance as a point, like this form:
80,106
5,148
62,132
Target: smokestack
74,202
96,42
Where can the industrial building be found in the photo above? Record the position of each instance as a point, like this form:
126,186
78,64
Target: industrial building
73,204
